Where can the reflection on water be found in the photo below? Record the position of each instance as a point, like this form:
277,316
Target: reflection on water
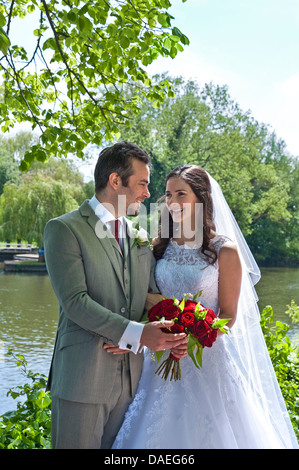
28,319
29,313
277,287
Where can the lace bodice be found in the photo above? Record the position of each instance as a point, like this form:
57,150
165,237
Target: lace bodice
185,270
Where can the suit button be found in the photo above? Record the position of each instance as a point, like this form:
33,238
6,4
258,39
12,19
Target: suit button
123,310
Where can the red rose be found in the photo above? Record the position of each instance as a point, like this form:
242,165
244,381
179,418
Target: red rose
190,306
187,319
177,328
164,308
209,339
200,329
203,330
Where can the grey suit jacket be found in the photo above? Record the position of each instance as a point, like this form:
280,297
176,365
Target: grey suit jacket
91,283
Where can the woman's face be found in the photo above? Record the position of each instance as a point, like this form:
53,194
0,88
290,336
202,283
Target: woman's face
182,203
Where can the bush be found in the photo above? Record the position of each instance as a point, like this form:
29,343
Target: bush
285,359
29,427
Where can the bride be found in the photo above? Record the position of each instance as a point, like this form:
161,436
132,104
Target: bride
234,400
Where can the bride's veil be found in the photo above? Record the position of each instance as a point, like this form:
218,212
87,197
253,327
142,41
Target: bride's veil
246,341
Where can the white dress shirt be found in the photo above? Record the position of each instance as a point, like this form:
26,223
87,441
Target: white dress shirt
131,337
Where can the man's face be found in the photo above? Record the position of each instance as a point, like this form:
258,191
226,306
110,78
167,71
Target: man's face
137,189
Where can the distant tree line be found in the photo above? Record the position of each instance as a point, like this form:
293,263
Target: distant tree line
202,126
29,200
260,180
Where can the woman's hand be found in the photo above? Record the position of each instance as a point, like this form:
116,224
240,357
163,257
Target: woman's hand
110,348
180,351
151,300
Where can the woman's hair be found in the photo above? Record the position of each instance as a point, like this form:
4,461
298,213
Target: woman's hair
198,180
117,159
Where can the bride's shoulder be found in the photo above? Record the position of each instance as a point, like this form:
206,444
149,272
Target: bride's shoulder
223,244
228,254
218,239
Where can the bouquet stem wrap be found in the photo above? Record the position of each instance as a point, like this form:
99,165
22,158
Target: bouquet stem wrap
171,366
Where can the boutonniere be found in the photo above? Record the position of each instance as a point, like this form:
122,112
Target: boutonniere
140,235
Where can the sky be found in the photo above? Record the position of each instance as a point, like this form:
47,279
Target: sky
252,46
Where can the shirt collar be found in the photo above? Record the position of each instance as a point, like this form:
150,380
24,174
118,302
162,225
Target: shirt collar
101,211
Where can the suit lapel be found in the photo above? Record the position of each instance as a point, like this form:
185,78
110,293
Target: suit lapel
109,244
132,253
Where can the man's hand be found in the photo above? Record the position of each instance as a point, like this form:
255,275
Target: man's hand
157,340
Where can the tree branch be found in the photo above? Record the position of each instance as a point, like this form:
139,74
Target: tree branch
69,69
17,78
9,17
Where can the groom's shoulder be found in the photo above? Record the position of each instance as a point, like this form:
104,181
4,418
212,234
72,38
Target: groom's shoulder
74,216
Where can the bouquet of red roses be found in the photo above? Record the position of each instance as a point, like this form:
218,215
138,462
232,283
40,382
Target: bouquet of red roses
200,324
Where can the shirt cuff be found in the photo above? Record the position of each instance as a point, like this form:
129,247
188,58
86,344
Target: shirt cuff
131,337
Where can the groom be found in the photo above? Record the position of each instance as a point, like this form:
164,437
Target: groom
101,281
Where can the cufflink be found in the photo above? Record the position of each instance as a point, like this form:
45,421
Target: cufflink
129,346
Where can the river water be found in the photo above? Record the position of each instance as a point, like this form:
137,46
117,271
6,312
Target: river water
29,313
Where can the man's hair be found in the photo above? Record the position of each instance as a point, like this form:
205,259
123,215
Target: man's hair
117,159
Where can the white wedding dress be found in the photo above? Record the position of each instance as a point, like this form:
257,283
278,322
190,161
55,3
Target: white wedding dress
209,408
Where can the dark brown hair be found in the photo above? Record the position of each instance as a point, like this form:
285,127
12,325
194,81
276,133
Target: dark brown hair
117,159
198,179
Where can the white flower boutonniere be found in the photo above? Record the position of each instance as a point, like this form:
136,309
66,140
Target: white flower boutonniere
140,235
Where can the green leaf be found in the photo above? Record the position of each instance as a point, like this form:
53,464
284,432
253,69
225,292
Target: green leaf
124,42
164,20
72,17
199,315
50,44
199,349
182,306
24,167
197,295
220,324
31,8
43,400
185,40
4,41
2,20
159,355
192,343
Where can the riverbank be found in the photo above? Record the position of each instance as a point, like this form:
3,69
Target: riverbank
18,266
24,263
